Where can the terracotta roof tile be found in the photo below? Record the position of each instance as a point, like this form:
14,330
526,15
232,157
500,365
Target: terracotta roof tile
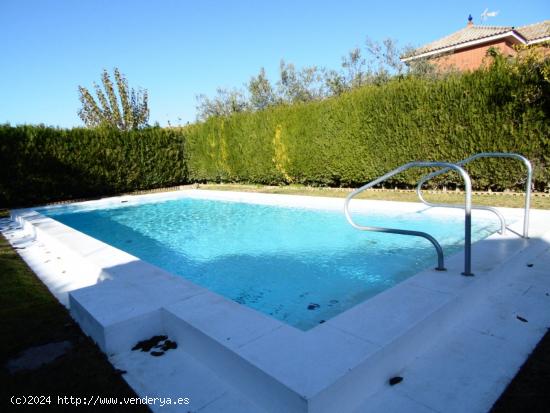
535,31
471,33
467,34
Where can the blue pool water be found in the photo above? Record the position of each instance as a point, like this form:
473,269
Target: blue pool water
301,266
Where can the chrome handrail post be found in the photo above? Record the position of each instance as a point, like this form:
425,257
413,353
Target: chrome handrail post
527,207
467,222
463,162
434,205
435,243
528,182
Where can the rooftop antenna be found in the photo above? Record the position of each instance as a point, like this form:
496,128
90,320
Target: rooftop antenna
486,14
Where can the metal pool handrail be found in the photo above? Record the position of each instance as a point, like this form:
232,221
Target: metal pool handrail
467,213
463,162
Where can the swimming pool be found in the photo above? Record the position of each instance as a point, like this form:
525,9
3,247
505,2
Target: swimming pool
342,364
302,266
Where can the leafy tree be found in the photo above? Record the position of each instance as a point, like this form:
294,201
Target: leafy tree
300,86
261,93
225,103
354,64
387,54
123,108
376,64
424,68
352,75
335,82
421,67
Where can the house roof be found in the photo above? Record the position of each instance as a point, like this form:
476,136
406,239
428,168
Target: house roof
535,31
476,34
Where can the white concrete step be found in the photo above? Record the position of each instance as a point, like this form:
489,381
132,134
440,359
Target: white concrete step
177,375
468,369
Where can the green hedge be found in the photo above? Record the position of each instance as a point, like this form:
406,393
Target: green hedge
342,141
354,138
40,164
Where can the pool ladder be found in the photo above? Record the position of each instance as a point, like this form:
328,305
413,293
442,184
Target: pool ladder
447,167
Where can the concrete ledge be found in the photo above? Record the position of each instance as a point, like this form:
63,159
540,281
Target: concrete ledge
115,315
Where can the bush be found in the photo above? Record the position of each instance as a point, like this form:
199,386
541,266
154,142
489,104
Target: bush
41,164
360,135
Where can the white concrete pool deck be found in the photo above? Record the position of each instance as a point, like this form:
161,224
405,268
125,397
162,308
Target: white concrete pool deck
455,340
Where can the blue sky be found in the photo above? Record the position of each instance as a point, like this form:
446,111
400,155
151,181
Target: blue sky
179,49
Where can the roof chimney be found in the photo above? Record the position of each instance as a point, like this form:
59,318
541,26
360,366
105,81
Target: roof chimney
470,21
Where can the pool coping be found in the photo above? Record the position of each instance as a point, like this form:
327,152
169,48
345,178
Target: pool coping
368,343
